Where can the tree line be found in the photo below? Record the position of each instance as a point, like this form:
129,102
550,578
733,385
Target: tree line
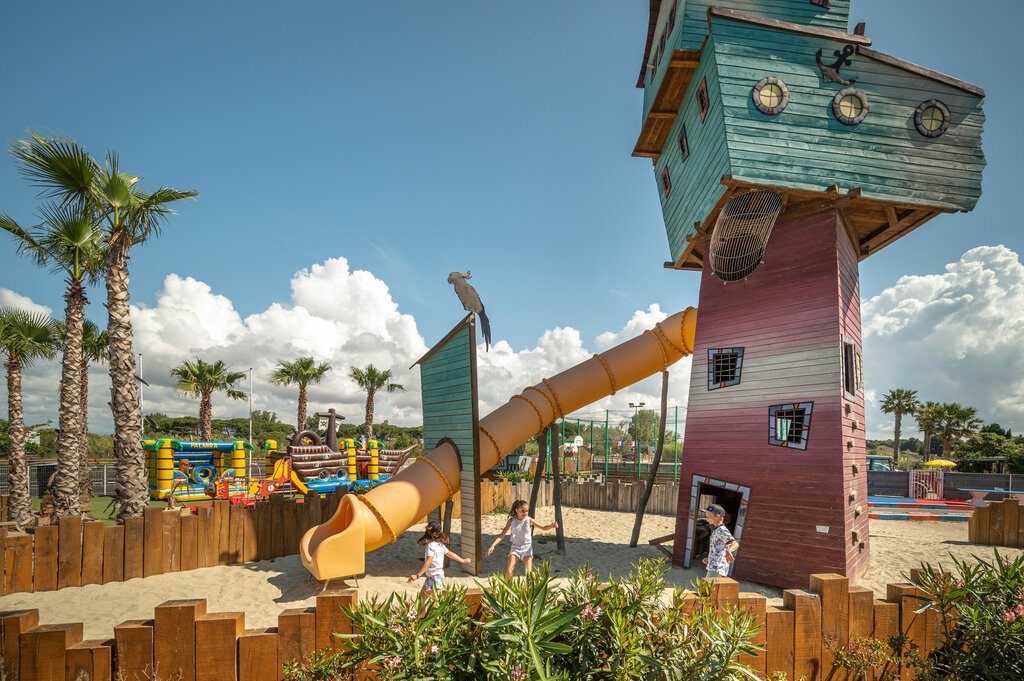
956,426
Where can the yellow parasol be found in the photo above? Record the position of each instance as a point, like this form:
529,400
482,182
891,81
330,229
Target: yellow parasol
943,463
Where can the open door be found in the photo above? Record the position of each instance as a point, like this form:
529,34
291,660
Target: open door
735,499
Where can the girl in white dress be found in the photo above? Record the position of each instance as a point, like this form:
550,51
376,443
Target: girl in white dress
520,524
436,541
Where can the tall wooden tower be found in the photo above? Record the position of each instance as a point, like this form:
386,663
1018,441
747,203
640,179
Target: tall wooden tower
786,150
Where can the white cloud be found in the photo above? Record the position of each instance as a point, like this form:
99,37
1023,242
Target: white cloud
9,298
338,315
953,337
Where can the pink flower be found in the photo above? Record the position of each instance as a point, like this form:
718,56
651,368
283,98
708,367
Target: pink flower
434,650
518,673
392,661
1019,609
1009,617
395,626
411,615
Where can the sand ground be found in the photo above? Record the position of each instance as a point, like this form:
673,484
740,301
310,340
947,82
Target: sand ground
600,538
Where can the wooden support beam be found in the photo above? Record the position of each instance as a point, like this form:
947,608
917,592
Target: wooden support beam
133,641
69,552
216,645
296,635
18,563
113,553
90,661
330,619
134,548
658,541
174,638
92,552
44,555
806,609
154,561
834,591
43,650
779,628
756,605
12,626
257,655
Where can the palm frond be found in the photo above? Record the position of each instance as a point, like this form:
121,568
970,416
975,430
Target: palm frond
59,167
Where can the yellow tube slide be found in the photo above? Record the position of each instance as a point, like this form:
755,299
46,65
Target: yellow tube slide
337,548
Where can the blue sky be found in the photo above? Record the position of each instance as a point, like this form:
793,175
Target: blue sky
413,139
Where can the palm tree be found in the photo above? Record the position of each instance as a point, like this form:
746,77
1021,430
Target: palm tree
94,351
24,338
955,423
200,380
67,242
128,216
301,372
899,401
371,380
927,416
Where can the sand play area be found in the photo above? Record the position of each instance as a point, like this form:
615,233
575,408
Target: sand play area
265,588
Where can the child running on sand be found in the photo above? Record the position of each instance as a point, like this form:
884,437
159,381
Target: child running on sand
520,522
436,541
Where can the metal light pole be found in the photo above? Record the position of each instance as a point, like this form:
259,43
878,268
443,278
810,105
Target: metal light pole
636,432
250,422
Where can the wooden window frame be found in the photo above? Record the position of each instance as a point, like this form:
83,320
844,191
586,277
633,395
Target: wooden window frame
807,408
715,352
666,182
703,99
684,144
824,4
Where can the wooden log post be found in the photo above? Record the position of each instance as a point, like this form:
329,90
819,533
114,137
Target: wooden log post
43,650
330,619
12,626
779,629
887,623
216,645
69,553
92,552
834,591
912,624
174,638
189,543
154,560
556,480
862,613
263,528
296,635
257,655
44,555
90,661
756,605
1009,510
236,530
806,609
222,523
538,477
113,553
133,645
172,539
18,563
134,548
642,506
249,535
724,592
276,526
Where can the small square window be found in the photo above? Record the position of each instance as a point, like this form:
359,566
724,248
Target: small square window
724,367
827,4
666,182
789,424
849,367
684,147
703,103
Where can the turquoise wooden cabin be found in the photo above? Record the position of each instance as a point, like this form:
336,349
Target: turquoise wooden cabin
734,97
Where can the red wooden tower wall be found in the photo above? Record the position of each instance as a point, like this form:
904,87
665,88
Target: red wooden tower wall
790,316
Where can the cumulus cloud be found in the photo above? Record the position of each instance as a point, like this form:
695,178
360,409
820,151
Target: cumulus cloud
338,315
9,298
955,336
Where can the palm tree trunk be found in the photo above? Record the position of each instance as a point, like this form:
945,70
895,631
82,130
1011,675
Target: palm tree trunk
947,447
132,478
84,479
65,484
369,414
896,438
205,418
927,445
301,425
20,508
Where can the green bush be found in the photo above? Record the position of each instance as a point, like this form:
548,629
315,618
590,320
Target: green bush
529,629
515,476
982,611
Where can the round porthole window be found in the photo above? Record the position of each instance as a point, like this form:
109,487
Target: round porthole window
850,106
931,118
770,96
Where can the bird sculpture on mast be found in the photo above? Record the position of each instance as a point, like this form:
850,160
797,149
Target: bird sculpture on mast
470,300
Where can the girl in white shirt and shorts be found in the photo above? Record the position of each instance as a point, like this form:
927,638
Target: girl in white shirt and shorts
520,524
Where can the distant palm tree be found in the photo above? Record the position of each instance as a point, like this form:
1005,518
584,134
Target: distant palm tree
95,350
371,380
200,380
67,242
899,401
24,338
129,216
955,423
928,415
301,372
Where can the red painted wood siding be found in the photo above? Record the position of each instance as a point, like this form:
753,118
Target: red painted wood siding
789,316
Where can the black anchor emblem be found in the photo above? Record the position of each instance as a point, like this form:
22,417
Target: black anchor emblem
831,73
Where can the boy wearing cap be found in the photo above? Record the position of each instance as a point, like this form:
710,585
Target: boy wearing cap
722,545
